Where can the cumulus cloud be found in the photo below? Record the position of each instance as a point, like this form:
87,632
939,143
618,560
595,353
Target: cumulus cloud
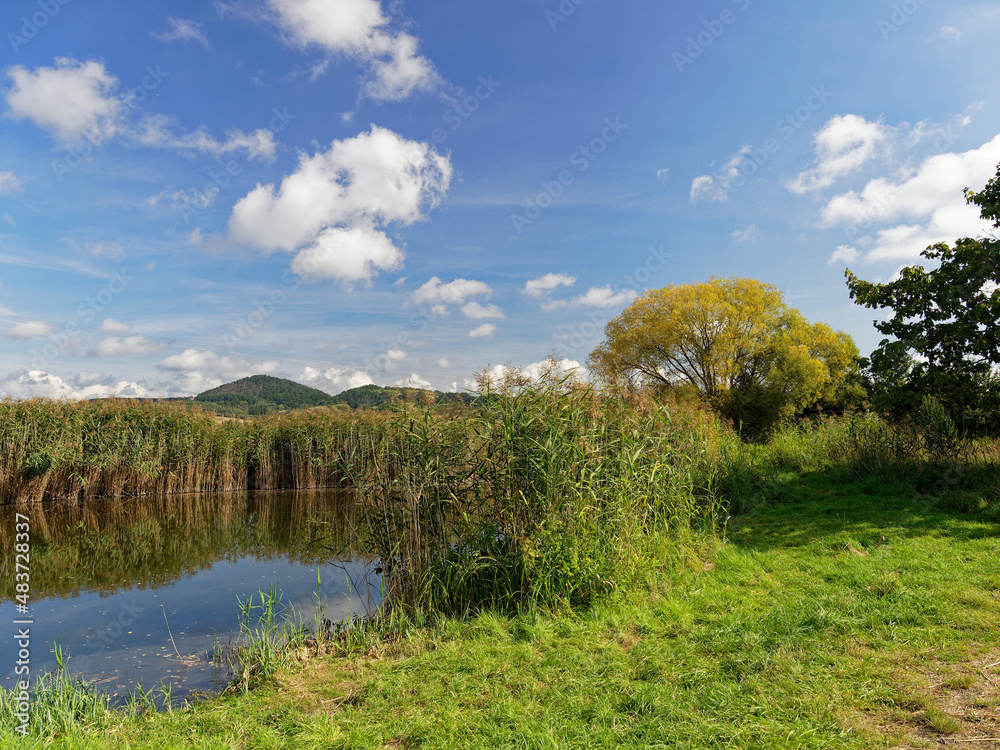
414,381
352,254
924,206
183,30
32,329
548,370
332,210
485,331
130,346
333,380
455,292
476,311
843,145
358,29
25,383
543,284
9,183
76,100
192,360
844,254
604,296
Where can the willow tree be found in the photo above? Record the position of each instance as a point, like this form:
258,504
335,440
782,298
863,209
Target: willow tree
734,342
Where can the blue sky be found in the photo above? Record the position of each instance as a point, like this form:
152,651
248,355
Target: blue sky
354,191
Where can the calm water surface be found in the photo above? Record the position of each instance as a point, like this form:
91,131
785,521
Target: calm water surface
112,581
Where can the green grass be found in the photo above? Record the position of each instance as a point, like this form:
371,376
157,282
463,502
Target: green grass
842,612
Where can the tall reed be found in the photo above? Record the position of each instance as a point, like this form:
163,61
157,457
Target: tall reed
545,493
61,449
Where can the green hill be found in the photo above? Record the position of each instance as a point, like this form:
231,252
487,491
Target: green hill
382,397
261,394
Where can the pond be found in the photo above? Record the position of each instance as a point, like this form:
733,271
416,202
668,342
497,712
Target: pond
145,592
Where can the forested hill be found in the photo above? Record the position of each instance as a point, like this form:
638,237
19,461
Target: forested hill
381,397
260,394
263,394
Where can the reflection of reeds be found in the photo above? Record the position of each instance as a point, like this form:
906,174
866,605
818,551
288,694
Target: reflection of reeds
107,544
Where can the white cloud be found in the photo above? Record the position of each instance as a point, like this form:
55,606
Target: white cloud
554,304
29,330
475,311
130,346
73,99
843,145
950,32
604,296
76,100
192,360
189,384
538,287
414,381
706,187
927,203
357,28
548,370
663,174
40,384
181,29
353,254
334,379
155,131
443,363
456,292
332,208
391,358
9,183
844,254
746,234
938,181
559,369
485,331
113,325
703,187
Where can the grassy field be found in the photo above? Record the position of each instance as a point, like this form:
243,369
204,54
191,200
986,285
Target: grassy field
842,612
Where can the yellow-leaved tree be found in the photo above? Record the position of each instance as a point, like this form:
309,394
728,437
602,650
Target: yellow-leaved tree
735,343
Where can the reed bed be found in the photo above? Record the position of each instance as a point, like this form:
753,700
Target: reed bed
539,493
61,449
544,496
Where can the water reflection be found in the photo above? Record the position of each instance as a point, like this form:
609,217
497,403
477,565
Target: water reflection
109,577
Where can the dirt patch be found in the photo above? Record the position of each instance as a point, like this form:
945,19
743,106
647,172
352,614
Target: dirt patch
956,706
